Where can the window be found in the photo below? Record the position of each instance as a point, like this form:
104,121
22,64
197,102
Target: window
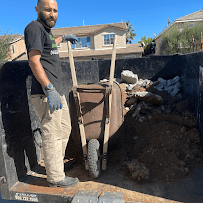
13,48
108,39
82,42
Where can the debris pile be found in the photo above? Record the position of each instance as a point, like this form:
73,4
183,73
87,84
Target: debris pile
161,139
171,86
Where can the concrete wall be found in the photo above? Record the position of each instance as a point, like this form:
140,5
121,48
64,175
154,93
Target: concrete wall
20,134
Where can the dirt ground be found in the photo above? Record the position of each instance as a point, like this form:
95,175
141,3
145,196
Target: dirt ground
164,146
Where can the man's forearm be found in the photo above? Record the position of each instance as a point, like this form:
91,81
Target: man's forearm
39,73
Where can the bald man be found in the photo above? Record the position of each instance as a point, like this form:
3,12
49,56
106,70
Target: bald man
47,96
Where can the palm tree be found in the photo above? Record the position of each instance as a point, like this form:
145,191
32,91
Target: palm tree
129,33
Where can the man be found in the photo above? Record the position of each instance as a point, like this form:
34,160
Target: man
47,97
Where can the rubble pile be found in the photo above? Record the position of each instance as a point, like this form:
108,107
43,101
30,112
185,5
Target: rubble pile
161,139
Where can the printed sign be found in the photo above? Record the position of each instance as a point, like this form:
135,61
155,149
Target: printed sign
26,197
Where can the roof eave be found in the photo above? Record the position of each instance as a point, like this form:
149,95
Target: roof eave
164,30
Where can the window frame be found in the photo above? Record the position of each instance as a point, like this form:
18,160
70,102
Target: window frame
110,39
13,49
81,47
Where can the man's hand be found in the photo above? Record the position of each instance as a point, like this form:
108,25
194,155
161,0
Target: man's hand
54,98
69,37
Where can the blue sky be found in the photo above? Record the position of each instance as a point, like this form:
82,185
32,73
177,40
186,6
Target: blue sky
147,17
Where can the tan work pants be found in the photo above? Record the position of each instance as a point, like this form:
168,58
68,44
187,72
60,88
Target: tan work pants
56,128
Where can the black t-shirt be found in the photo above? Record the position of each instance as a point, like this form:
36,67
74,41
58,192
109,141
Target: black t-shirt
40,38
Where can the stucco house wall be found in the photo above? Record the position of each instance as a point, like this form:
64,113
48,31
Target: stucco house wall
99,38
19,48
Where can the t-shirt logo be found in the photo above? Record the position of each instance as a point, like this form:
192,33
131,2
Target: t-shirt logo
52,38
53,52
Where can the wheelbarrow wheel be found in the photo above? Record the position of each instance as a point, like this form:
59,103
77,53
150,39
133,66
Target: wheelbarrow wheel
93,158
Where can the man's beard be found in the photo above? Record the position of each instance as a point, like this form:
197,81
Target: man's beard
46,22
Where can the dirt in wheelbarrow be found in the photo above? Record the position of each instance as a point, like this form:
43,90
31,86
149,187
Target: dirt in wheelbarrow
162,143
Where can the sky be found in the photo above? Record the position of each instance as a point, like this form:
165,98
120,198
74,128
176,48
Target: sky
148,18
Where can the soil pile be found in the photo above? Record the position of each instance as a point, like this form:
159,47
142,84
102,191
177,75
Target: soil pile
163,142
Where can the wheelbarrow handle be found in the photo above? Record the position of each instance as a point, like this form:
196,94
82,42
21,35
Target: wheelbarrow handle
79,110
108,115
72,66
113,61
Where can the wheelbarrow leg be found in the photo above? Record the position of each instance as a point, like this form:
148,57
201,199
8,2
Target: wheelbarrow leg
78,106
109,99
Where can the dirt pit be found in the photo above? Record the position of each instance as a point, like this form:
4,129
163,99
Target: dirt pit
164,145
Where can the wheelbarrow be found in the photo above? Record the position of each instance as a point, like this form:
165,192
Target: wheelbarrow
97,117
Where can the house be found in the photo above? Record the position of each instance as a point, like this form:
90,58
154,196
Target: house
16,47
96,42
179,23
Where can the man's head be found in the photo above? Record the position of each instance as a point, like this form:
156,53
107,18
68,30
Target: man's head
47,11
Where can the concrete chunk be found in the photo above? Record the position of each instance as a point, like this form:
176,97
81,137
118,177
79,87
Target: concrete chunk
173,81
162,81
129,77
149,97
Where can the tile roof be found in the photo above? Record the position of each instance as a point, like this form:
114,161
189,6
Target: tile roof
198,15
13,37
89,29
130,49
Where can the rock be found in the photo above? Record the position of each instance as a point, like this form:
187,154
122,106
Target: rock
129,77
162,81
144,83
169,88
176,89
104,80
130,101
138,170
131,86
141,119
137,111
137,88
133,107
149,85
159,87
173,81
148,97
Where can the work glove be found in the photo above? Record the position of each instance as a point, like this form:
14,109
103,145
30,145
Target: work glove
69,37
54,98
